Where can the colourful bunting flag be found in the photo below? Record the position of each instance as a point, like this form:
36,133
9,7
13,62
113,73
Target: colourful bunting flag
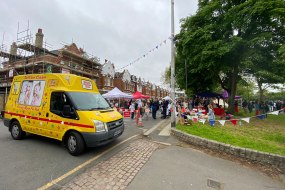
222,122
274,113
234,121
246,119
202,120
261,116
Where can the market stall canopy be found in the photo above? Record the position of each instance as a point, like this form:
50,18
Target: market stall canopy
167,98
138,95
116,93
226,95
209,94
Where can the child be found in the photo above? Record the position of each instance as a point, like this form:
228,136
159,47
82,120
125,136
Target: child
211,115
36,101
147,110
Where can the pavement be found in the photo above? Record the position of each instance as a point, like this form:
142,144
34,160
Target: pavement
156,160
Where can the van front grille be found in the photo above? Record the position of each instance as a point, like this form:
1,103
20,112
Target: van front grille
115,124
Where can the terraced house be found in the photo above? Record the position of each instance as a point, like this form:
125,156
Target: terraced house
27,56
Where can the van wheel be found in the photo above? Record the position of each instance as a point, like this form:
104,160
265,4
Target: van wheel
16,131
75,144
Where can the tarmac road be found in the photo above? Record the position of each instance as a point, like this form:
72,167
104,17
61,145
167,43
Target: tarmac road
151,161
34,161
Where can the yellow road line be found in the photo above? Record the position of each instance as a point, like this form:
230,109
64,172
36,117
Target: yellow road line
55,181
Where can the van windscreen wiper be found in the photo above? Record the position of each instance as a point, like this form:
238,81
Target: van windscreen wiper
98,108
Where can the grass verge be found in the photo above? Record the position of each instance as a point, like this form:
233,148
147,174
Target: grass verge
266,135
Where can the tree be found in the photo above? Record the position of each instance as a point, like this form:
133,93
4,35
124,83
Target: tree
166,76
220,40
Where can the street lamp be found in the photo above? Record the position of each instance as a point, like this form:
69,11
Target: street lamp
173,122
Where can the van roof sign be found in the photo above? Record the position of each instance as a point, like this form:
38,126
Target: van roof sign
86,84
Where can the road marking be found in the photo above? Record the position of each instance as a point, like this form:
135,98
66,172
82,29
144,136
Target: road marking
152,129
163,143
55,181
165,131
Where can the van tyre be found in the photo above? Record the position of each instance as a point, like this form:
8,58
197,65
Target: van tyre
75,144
16,131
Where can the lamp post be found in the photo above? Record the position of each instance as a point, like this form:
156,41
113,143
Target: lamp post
173,122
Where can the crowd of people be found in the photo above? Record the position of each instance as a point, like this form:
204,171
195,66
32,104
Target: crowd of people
262,107
203,107
145,107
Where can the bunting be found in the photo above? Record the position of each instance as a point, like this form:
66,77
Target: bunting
246,119
274,113
144,55
222,122
233,121
261,116
202,121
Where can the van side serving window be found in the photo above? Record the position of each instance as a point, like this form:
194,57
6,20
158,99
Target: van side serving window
31,92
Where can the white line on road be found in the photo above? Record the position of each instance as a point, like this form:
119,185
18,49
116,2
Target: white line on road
166,130
152,129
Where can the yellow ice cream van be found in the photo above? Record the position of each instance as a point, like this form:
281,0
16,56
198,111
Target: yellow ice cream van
65,107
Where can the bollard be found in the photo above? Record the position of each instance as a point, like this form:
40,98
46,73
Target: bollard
140,124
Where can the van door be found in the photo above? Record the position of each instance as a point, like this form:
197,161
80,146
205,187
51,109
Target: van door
59,101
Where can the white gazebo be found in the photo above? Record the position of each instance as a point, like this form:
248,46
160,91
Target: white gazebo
116,93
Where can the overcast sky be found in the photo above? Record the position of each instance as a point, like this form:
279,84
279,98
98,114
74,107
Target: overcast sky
118,30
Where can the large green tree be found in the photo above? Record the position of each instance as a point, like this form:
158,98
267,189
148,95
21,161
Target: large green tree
220,43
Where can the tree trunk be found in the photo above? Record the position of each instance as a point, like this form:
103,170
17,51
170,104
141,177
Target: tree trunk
261,91
232,92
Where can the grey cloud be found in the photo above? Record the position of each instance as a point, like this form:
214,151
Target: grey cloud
118,30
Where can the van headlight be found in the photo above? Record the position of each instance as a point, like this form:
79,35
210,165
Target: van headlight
100,126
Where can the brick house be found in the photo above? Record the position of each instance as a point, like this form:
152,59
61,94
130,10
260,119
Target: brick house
123,81
106,77
139,85
134,81
37,59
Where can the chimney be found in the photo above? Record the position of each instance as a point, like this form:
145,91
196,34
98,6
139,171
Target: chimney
13,49
39,38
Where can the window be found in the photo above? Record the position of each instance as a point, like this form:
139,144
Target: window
59,102
88,101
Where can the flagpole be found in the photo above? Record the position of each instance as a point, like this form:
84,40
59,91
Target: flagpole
173,123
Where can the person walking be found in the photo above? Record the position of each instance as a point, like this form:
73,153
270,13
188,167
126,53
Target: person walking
155,107
164,108
132,109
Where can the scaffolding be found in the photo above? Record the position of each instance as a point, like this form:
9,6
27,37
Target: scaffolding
33,56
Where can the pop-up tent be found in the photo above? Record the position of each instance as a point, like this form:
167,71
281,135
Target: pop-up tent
209,94
138,95
167,98
116,93
226,95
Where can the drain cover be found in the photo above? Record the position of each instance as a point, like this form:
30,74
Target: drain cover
215,184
